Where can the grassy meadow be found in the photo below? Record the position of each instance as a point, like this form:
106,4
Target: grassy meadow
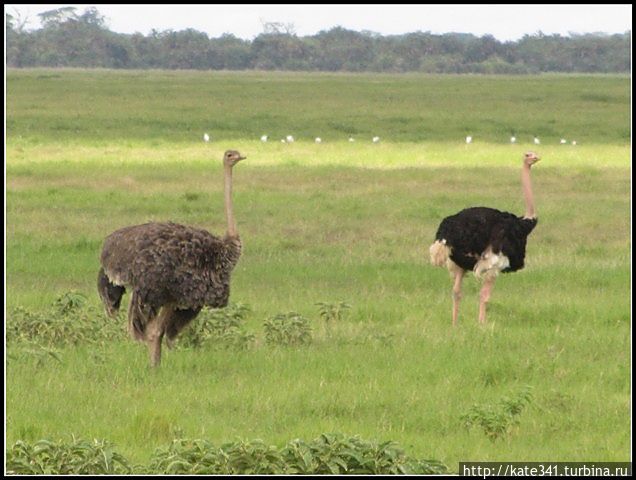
88,152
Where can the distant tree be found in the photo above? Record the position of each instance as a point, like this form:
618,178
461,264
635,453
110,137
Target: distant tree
230,53
482,48
53,18
278,28
68,38
18,48
118,52
342,49
186,49
278,51
91,16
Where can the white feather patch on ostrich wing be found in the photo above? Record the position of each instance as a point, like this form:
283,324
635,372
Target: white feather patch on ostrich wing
490,264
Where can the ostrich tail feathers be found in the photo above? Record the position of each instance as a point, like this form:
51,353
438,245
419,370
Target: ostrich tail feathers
440,252
110,293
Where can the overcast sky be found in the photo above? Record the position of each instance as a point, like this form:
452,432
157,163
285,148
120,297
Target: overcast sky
504,22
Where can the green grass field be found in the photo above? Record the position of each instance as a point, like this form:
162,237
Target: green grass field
90,151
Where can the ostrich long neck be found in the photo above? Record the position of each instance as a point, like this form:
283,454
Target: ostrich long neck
229,213
527,191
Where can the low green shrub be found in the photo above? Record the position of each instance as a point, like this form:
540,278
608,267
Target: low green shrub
287,329
337,454
332,313
497,420
69,321
220,328
332,453
65,458
327,454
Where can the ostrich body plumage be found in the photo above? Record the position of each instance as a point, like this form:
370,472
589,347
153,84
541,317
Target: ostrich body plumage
476,230
171,264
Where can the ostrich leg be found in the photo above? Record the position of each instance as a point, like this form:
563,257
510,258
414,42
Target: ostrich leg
484,298
457,293
155,330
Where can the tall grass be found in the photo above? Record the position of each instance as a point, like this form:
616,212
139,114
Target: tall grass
155,106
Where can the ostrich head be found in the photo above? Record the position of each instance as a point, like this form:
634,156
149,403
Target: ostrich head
231,158
530,158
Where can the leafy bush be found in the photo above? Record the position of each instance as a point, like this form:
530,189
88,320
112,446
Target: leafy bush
70,321
222,328
337,454
287,329
332,312
67,458
201,457
497,421
332,453
69,301
327,454
187,457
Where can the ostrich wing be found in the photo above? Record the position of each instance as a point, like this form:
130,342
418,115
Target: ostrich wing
509,236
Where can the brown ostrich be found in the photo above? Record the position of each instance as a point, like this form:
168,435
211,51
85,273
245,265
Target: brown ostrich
172,270
485,240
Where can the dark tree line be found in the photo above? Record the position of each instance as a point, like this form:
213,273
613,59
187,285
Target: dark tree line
71,39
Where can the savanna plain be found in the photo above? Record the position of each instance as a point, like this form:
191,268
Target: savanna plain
337,233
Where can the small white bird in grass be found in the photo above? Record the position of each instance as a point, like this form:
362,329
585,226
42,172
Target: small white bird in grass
469,139
264,138
513,139
537,141
351,139
563,141
573,142
290,139
206,137
318,140
376,139
282,140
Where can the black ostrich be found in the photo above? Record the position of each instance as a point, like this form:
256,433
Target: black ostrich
485,240
172,270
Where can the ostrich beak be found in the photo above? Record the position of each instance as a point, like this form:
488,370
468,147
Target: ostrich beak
241,158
